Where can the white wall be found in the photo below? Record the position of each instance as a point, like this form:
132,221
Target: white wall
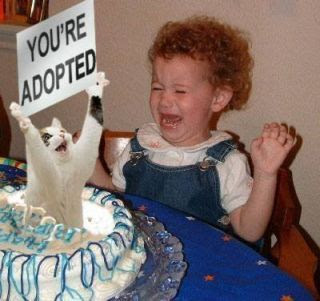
285,44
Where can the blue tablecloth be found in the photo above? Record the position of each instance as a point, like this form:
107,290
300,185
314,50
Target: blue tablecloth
219,267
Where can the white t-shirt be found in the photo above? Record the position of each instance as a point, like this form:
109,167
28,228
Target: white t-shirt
234,173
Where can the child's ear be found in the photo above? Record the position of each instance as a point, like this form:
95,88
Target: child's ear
221,98
56,123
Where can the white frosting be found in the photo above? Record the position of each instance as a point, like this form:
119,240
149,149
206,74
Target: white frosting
41,259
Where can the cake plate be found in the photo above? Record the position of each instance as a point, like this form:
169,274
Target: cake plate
161,275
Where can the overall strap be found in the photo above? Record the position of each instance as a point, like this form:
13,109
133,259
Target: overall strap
220,151
216,153
137,151
135,145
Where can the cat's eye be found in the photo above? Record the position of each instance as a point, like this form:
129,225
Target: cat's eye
45,137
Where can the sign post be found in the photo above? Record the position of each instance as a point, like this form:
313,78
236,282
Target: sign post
56,58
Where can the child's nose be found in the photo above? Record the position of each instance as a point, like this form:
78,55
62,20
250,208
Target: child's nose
166,99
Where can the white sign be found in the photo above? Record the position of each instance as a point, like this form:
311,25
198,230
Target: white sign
56,58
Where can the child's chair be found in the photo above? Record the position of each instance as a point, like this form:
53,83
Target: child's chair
291,252
5,131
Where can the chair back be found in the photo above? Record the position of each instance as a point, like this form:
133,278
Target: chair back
286,243
112,145
5,131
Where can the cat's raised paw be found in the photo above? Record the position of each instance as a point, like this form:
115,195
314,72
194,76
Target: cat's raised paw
102,80
15,110
97,89
24,123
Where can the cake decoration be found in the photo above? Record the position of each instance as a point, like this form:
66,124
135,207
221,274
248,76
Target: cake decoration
43,260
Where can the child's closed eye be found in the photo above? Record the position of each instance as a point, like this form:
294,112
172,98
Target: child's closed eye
181,91
156,89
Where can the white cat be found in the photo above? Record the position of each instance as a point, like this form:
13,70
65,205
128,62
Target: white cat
58,168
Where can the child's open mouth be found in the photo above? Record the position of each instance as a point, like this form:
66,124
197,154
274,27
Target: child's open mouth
62,147
170,120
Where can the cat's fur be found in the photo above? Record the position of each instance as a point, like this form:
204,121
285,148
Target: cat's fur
58,168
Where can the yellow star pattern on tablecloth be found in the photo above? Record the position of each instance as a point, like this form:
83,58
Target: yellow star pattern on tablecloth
208,278
226,237
261,262
286,298
142,208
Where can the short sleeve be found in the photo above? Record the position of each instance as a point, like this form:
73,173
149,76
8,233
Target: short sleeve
235,181
118,178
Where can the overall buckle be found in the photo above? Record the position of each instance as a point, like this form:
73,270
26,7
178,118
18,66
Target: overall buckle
135,157
206,163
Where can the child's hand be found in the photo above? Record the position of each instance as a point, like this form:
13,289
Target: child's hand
270,149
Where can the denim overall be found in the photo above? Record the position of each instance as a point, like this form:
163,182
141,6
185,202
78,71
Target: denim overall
194,189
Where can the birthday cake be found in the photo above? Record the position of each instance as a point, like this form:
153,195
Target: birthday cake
42,260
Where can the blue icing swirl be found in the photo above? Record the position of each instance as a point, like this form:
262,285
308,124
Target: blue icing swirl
96,260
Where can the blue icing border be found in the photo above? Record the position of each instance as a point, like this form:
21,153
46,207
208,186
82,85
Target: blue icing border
27,285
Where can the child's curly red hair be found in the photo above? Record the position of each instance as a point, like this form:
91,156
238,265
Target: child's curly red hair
224,47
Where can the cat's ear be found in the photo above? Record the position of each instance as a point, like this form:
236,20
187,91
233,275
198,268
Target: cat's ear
56,123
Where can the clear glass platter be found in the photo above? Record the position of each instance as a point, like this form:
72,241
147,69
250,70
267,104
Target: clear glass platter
161,275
